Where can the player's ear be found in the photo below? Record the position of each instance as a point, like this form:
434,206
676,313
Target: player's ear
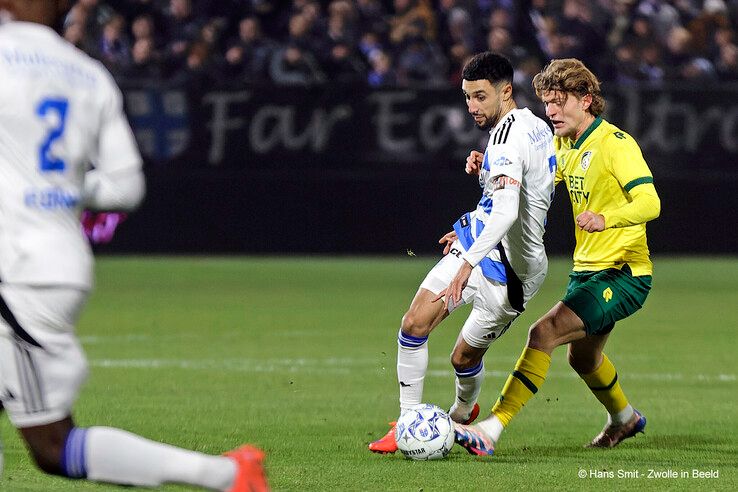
507,91
585,102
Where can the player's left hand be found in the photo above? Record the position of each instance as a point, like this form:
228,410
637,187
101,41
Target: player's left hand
454,289
589,221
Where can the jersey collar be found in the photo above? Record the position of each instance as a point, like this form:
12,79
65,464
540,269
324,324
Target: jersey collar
503,118
587,132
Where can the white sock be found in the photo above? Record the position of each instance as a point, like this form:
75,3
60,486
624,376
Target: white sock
468,385
412,363
492,427
622,417
119,457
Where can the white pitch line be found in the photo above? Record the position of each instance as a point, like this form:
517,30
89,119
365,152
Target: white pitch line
334,365
95,340
629,375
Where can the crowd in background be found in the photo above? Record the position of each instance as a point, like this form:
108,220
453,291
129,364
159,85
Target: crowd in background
403,42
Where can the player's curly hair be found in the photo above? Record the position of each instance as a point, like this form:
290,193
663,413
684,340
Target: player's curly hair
490,66
570,76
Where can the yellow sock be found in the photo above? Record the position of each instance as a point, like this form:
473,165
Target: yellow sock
603,383
529,374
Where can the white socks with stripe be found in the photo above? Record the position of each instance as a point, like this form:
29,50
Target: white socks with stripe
412,363
105,454
468,385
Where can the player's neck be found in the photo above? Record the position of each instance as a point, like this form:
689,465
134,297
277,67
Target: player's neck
507,106
588,119
35,13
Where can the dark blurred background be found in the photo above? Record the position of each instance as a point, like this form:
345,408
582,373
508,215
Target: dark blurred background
339,126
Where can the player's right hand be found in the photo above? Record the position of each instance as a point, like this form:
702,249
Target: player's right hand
448,239
474,162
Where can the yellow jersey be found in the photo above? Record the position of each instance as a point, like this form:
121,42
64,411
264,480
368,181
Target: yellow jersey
602,171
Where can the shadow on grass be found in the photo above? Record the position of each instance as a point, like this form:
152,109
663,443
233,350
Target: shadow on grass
693,449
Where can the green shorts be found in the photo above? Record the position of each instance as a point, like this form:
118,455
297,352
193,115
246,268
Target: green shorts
604,297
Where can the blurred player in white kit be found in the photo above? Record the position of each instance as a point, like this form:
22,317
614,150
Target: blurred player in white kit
60,114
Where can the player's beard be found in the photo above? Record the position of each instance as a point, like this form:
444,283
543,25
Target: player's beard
487,126
489,122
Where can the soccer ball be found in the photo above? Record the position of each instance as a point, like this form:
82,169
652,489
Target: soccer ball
425,433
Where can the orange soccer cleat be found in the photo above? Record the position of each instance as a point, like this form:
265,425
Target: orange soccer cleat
386,444
250,476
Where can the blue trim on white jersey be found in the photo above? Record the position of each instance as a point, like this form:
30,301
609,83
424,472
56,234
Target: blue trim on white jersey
480,226
486,204
463,231
552,163
493,270
485,162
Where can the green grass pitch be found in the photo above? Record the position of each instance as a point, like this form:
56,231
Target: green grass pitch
297,355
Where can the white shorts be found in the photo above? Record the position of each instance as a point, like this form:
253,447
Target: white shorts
42,365
491,313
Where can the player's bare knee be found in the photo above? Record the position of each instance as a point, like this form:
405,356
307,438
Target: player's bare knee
414,326
47,456
461,360
542,334
465,356
46,444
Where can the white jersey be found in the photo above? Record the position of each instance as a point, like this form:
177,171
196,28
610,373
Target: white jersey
60,115
520,147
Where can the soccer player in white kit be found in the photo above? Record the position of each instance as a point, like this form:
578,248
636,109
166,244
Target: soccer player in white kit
60,114
494,257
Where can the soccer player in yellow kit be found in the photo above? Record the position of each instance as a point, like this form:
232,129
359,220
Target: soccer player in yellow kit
612,196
